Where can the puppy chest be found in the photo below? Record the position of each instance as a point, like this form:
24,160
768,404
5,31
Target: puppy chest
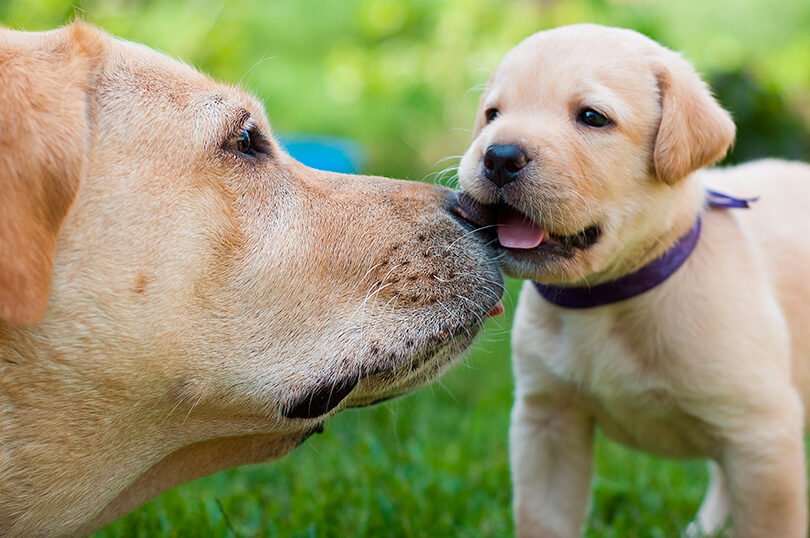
653,423
595,353
623,384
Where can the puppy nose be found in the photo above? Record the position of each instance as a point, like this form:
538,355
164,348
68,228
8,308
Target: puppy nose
502,162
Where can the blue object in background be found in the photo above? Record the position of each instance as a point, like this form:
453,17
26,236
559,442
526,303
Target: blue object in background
324,152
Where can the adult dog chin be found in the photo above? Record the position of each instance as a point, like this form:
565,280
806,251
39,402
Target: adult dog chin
411,356
419,369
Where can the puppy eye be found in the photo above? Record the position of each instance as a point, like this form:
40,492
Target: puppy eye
592,118
240,141
491,113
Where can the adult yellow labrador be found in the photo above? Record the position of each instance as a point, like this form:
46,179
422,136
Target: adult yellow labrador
179,296
677,328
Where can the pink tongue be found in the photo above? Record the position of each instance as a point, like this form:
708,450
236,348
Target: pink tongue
516,231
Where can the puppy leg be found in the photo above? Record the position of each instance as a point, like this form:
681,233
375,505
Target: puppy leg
551,447
765,468
716,506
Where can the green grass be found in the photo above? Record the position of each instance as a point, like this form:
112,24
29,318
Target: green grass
396,77
433,464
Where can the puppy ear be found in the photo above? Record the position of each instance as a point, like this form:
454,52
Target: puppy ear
695,131
44,138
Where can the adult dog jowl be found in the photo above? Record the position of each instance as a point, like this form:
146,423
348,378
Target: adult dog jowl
663,309
179,296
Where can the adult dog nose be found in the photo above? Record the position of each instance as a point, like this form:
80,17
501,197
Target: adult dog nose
502,162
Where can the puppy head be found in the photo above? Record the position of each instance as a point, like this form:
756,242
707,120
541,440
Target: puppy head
583,141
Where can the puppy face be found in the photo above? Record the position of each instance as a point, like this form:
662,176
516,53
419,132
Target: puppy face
203,284
581,141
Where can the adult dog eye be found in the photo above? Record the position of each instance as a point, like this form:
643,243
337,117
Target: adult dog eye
491,113
592,118
240,141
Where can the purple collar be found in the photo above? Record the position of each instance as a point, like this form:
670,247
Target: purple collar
644,279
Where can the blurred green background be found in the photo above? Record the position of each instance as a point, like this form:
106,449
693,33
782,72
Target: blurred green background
402,78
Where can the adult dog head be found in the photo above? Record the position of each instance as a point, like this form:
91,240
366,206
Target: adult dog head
582,139
178,295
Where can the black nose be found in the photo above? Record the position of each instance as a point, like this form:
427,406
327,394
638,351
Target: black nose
502,162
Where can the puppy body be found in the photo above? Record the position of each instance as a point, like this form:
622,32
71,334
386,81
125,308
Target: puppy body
711,363
173,301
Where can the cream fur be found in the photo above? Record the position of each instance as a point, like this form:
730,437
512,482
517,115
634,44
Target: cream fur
166,301
714,362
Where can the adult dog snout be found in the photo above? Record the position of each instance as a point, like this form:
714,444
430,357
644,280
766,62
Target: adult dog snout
503,162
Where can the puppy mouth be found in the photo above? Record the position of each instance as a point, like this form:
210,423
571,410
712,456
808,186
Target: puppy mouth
517,232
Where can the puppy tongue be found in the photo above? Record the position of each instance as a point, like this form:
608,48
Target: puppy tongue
517,231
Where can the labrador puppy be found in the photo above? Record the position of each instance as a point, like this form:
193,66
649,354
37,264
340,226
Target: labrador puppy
179,296
676,328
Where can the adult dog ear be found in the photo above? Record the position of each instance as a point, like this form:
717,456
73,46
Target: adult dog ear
695,131
44,140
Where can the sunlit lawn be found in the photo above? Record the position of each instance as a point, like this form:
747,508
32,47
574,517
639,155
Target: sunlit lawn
395,76
433,464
